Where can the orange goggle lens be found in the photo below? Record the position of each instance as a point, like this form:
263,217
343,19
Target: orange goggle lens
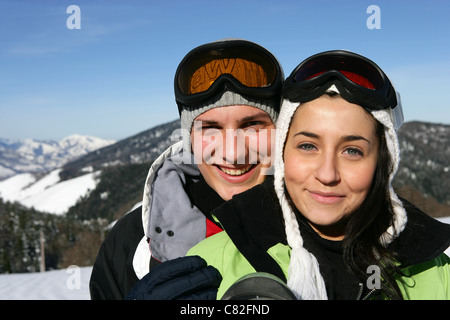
248,73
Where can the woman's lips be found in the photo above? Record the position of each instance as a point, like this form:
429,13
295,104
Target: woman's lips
325,197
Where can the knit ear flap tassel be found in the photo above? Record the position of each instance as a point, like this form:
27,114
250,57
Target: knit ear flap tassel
400,217
304,277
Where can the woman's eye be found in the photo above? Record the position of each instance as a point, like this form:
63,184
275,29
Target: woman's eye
306,147
354,152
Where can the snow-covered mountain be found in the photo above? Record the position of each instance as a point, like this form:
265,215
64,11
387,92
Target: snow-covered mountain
47,193
52,176
31,155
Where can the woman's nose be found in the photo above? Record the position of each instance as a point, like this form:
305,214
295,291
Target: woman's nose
327,170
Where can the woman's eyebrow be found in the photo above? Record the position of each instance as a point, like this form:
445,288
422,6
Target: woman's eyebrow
307,134
344,138
354,138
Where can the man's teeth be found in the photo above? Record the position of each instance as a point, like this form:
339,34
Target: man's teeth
236,172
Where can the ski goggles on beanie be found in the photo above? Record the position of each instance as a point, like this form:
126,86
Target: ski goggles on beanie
236,65
358,80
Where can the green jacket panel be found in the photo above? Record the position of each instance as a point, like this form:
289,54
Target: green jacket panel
428,280
220,252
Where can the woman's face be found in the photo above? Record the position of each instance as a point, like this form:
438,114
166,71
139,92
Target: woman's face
330,159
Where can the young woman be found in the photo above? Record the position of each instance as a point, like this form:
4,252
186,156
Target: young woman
330,223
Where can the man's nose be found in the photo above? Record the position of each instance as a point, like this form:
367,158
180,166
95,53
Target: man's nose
234,147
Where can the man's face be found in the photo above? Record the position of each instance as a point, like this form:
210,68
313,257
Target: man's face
232,147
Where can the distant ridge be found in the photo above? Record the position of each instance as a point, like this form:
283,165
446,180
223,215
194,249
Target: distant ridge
142,147
34,156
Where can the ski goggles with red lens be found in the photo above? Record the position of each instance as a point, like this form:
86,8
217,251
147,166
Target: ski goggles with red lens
358,79
238,65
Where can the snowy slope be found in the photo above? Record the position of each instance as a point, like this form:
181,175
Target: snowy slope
47,194
67,284
13,186
22,161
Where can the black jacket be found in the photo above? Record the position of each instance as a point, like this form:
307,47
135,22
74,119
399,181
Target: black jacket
113,274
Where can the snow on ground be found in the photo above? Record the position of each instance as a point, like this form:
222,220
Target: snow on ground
47,194
61,196
39,186
11,187
66,284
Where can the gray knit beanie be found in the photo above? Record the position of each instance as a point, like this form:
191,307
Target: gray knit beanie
228,98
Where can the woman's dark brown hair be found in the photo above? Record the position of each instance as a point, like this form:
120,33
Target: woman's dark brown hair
362,246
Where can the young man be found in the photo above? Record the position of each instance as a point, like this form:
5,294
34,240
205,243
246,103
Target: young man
228,96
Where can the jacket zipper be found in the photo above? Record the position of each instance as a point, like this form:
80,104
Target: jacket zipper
360,292
371,292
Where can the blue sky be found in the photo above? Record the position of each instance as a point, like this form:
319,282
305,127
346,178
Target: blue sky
113,78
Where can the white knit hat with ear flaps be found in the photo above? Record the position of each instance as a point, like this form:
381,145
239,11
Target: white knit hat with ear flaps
304,277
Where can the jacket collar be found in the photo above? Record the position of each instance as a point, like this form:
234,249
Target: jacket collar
173,153
253,220
424,238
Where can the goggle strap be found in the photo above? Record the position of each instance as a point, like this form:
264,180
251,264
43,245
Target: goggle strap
396,113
